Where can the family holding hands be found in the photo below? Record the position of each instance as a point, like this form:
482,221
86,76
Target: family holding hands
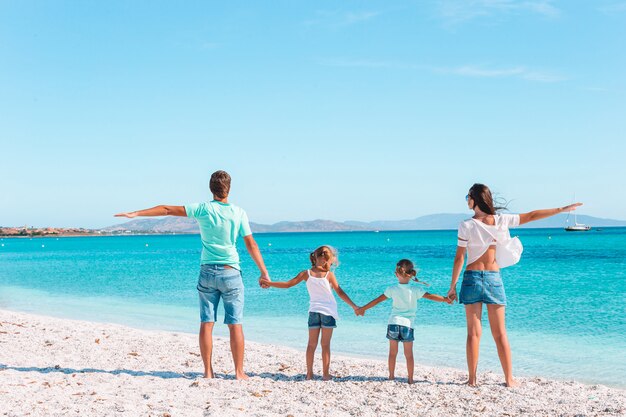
221,223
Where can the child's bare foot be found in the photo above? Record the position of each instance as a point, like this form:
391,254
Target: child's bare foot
327,377
241,376
309,377
471,383
512,384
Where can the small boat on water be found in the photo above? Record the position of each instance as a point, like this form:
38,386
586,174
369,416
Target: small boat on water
577,227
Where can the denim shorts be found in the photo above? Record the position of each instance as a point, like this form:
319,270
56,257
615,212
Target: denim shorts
317,320
219,281
482,287
399,333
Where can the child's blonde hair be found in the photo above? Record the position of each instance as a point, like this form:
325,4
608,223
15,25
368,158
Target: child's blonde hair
327,252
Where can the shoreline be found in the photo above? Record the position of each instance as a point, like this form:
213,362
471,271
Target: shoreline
54,366
595,228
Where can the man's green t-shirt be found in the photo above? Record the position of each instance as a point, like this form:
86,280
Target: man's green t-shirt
220,225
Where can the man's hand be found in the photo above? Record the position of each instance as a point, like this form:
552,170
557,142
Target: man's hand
264,281
129,215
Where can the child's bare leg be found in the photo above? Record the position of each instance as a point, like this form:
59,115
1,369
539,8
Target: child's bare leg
498,331
314,335
410,364
393,352
237,348
473,313
206,347
327,334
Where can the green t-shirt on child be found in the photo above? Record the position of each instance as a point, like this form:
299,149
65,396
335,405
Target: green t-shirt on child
220,225
404,307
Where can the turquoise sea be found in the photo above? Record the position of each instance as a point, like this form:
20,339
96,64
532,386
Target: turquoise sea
567,297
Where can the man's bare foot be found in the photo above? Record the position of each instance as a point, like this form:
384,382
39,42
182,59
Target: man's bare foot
241,376
411,381
327,377
209,374
512,384
471,383
391,377
309,377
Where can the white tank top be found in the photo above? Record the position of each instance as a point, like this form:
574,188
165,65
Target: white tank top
321,296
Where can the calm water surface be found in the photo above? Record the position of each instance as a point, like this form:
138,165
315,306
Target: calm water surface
566,313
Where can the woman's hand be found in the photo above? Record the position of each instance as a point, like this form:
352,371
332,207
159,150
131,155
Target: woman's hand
359,311
571,207
451,295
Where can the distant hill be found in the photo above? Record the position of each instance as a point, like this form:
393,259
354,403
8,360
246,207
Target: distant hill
444,221
187,225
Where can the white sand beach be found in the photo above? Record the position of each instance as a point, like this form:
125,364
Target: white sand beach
54,367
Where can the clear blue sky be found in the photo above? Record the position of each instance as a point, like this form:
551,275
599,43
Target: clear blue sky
344,110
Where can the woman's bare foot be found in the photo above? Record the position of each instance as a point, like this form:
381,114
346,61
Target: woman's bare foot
411,381
391,377
241,376
512,384
309,377
327,377
208,373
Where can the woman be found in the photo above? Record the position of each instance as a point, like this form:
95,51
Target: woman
482,283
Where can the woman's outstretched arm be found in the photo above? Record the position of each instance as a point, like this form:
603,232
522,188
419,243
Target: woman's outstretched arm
542,214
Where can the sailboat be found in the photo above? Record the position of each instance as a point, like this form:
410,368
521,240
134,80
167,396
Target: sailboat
576,227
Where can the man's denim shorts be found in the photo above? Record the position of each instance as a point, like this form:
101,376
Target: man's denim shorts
219,281
482,287
399,333
317,320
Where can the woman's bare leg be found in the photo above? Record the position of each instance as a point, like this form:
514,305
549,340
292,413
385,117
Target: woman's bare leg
473,313
496,314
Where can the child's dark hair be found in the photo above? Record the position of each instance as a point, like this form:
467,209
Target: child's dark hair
406,267
325,251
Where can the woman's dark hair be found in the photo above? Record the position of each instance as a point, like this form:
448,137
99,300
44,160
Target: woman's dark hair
220,184
481,194
406,267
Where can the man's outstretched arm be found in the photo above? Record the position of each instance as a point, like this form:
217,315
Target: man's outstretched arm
156,211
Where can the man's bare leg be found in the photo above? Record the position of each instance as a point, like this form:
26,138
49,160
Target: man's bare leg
206,347
237,345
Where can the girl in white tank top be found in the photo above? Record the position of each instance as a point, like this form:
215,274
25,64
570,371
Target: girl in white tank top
323,313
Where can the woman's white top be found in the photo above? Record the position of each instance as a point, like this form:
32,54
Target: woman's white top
321,296
477,236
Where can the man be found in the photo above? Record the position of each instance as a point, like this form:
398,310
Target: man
220,274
